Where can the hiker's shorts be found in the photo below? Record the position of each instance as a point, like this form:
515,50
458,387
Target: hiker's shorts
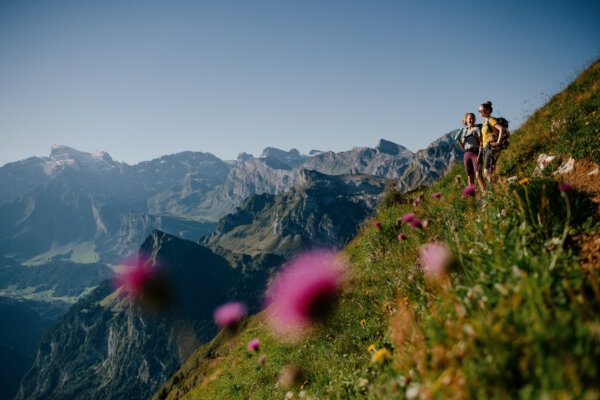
488,159
471,164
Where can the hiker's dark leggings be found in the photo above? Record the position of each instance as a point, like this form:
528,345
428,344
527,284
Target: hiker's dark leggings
470,160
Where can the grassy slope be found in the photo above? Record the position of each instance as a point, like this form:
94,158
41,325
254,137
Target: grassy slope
503,325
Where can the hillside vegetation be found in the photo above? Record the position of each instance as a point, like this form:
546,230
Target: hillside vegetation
517,316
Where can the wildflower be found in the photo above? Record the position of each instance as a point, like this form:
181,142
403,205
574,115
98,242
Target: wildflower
523,181
415,223
425,223
564,187
262,359
587,123
304,292
377,224
415,204
469,191
401,237
436,195
362,321
435,259
381,356
144,283
363,382
253,345
371,348
408,217
229,313
436,237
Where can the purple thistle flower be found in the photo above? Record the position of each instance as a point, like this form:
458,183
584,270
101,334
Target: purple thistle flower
254,344
564,187
304,292
435,259
415,223
469,190
408,217
401,237
229,313
436,195
377,224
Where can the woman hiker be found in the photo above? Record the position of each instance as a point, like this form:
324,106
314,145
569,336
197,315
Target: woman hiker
492,133
470,140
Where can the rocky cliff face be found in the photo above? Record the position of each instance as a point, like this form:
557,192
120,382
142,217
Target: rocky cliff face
323,210
106,347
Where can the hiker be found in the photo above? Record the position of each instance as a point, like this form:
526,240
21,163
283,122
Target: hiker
492,132
470,140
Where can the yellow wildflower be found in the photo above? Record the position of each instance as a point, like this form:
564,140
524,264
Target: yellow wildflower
587,123
362,321
524,181
371,347
382,356
405,299
367,292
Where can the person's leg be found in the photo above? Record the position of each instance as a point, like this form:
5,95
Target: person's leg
469,167
477,168
480,181
487,166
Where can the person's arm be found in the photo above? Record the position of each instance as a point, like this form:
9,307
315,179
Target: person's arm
500,132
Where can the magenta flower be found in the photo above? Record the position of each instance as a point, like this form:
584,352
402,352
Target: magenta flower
377,224
564,187
229,313
142,281
408,217
415,223
254,344
436,195
401,237
435,259
304,292
469,190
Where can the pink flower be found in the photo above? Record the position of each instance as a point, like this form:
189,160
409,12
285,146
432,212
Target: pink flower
229,313
469,190
408,217
435,259
304,292
401,237
415,223
377,224
436,195
142,281
563,187
254,344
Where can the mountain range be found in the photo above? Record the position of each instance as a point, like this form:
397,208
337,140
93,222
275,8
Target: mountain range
75,214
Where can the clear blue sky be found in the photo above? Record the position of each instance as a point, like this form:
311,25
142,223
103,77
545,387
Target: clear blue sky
140,79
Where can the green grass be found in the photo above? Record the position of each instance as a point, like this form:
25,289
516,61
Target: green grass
518,316
568,125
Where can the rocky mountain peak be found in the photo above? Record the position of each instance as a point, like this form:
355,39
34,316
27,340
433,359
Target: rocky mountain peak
387,147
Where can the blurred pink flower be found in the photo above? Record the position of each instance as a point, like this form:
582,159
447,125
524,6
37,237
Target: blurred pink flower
254,344
304,292
435,259
415,223
436,195
135,276
469,190
229,313
563,187
377,224
408,217
401,237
